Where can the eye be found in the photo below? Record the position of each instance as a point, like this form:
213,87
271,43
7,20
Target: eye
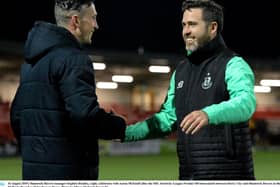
192,23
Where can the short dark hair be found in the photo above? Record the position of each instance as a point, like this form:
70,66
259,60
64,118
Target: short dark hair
72,4
211,11
65,8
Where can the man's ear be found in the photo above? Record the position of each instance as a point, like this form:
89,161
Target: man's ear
213,28
74,22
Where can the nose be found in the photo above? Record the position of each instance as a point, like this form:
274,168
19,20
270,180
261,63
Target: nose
96,25
186,31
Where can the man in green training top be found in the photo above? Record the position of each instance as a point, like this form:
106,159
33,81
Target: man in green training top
209,102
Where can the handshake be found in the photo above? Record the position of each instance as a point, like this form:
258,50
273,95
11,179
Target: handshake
160,124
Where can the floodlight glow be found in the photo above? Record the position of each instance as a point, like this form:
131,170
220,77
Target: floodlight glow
122,78
159,69
268,82
99,66
262,89
107,85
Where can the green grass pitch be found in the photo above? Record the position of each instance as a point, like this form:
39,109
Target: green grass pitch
149,167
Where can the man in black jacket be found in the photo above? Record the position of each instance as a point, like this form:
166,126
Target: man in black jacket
55,114
209,102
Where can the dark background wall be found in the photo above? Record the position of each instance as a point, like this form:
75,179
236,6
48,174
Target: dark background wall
251,27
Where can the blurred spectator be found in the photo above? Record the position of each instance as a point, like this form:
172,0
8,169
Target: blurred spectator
252,127
262,132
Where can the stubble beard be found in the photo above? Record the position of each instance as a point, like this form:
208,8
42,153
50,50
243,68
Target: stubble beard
192,46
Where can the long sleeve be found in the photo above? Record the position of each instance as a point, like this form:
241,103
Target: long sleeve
239,79
158,125
15,118
77,86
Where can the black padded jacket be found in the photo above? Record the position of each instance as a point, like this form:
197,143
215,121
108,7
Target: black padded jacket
55,114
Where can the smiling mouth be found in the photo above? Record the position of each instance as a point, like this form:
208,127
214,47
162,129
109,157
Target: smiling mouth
190,40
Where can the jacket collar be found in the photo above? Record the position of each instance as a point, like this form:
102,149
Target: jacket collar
212,48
